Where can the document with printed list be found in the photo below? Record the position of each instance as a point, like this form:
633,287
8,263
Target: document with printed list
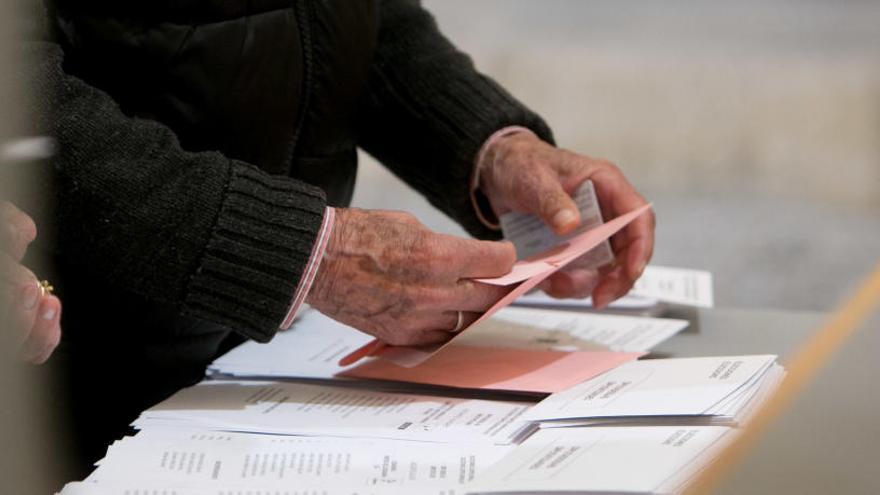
221,460
314,410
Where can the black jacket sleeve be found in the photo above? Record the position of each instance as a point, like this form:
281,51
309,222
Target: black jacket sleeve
215,238
428,110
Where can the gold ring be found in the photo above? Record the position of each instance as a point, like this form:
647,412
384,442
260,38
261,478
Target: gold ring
45,287
459,323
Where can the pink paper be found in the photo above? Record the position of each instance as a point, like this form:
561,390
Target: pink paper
564,252
489,368
558,257
522,270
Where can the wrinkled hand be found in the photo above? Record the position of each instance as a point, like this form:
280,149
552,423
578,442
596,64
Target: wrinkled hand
521,173
386,274
34,317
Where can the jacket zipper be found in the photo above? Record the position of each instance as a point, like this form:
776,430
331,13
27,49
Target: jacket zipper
304,14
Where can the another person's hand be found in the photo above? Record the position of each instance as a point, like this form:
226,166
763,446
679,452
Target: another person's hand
34,316
386,274
519,172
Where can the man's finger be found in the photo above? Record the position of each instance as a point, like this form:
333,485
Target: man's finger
14,273
46,332
634,245
17,232
24,308
613,285
577,283
485,259
612,189
474,296
456,321
638,252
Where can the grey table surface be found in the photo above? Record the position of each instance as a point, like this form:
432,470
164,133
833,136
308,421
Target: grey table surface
827,441
733,331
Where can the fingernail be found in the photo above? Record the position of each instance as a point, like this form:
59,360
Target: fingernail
29,296
563,218
49,314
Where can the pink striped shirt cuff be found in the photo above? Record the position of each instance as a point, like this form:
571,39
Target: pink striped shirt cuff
478,166
305,282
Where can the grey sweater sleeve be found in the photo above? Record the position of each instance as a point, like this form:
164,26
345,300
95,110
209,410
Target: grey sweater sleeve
428,110
215,238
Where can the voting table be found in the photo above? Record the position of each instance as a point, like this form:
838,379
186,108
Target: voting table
711,332
565,405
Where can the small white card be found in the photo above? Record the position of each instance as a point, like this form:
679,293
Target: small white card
531,236
676,286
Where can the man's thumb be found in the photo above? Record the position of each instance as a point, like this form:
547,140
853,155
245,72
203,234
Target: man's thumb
557,209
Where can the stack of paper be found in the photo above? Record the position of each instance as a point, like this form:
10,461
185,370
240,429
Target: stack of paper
310,349
707,390
519,350
604,460
647,459
315,410
185,459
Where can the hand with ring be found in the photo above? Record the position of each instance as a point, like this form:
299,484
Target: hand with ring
33,312
386,274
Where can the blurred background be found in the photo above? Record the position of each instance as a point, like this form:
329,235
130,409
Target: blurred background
754,126
30,454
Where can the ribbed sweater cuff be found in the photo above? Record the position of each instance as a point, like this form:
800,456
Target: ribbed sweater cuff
260,245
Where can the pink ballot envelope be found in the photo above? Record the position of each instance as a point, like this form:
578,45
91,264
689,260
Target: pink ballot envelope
489,368
528,273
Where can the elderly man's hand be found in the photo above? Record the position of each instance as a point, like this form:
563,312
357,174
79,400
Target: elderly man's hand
386,274
519,172
35,317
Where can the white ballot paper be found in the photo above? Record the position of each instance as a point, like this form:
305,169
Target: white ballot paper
310,349
531,236
315,410
220,460
555,330
657,284
675,285
636,460
710,390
